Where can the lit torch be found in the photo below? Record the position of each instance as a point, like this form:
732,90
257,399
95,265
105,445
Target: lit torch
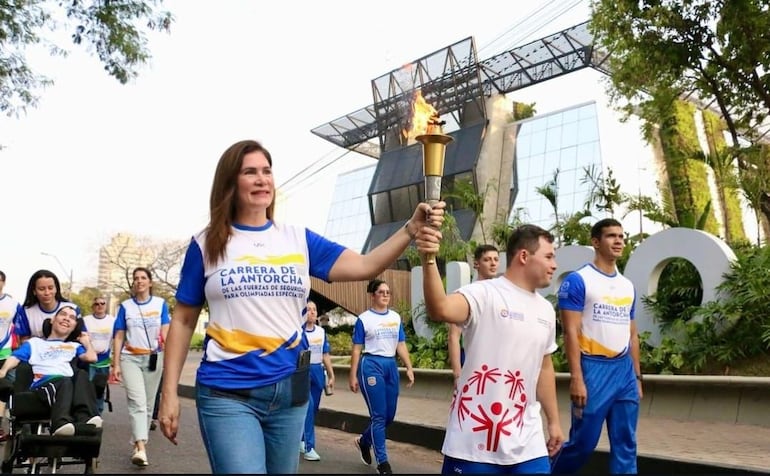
434,141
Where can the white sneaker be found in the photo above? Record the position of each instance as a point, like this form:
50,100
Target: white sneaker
312,455
95,421
67,429
302,447
139,458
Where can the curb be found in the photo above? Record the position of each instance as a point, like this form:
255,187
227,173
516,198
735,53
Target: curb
432,438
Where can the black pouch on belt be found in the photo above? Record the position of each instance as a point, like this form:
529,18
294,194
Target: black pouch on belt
153,363
300,380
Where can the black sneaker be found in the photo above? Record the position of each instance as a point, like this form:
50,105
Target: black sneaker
384,468
366,452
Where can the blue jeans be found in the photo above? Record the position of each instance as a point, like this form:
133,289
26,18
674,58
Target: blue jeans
252,431
92,372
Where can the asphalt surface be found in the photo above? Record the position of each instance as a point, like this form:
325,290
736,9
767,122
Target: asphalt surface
338,454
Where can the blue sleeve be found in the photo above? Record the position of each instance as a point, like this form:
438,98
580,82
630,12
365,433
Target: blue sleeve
633,307
24,352
359,333
192,280
80,350
21,323
401,335
326,348
120,320
572,293
323,254
164,317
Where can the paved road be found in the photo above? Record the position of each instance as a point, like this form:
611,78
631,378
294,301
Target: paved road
338,455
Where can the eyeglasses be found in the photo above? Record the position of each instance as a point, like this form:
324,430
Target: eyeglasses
383,293
99,303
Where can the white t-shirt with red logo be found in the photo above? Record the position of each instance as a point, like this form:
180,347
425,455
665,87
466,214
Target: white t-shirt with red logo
494,416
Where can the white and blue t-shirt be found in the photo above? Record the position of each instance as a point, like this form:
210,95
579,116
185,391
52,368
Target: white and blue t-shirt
256,297
100,331
9,308
379,332
607,304
49,359
317,343
29,321
142,322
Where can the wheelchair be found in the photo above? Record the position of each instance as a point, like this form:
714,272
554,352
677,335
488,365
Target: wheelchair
30,446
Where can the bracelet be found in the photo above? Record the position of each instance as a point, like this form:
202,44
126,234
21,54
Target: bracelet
406,227
639,377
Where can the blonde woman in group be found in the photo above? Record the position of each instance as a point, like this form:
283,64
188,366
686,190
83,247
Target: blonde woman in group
140,327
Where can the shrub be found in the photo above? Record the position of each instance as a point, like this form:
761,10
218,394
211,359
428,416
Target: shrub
341,343
196,343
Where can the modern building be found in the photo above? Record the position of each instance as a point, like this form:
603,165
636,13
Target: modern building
574,137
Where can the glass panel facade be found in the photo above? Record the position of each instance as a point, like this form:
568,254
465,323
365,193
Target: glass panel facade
349,219
567,141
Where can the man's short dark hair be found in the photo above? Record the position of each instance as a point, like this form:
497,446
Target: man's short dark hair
481,249
526,237
2,276
599,226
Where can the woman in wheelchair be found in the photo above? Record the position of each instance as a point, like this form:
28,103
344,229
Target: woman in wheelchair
56,381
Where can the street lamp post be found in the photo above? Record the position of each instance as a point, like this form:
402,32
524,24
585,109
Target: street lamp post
64,268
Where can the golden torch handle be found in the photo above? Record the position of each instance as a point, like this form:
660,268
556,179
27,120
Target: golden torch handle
433,150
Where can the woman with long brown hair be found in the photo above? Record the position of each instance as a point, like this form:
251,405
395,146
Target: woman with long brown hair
254,274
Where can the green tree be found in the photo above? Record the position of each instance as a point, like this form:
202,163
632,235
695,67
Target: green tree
662,51
85,297
114,31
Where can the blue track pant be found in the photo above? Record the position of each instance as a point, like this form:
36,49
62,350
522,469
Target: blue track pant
378,381
613,396
317,383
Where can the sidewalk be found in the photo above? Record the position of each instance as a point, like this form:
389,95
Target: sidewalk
731,446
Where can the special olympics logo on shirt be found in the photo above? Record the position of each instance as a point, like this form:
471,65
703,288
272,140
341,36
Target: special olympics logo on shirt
511,314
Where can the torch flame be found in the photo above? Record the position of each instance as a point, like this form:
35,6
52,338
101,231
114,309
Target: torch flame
425,119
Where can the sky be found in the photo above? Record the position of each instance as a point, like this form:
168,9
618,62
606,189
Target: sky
96,158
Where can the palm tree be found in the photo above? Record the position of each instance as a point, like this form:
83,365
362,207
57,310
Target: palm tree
550,191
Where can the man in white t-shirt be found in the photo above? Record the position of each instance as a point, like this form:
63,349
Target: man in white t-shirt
601,341
485,261
509,334
100,326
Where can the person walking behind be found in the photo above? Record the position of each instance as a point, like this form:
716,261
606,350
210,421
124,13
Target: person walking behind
378,336
9,308
100,326
42,301
140,326
510,333
254,274
602,348
485,261
320,370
